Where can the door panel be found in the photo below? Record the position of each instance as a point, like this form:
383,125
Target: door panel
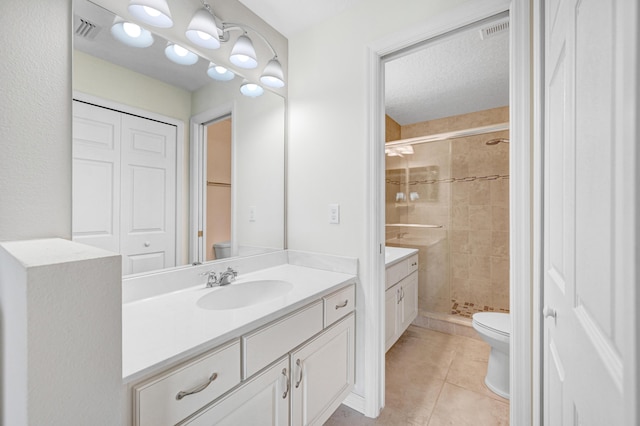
582,362
148,195
96,177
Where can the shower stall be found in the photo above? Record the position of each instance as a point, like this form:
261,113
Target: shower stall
447,195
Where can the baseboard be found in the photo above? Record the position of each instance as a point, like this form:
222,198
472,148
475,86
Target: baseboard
355,401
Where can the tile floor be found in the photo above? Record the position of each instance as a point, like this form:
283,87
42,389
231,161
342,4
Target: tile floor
434,379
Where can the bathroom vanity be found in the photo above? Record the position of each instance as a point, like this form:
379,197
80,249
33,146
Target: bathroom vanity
401,291
284,357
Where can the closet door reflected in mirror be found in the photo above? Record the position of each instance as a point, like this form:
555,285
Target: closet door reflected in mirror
124,186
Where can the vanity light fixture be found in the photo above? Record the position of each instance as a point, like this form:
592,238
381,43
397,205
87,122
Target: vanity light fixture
152,12
220,73
204,29
180,55
243,54
273,76
251,90
131,34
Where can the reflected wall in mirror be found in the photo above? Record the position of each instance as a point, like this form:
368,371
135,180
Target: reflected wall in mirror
109,73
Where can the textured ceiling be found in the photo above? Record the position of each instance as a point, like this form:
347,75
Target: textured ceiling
456,75
292,16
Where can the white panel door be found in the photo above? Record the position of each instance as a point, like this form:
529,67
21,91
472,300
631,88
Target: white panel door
148,226
584,320
96,177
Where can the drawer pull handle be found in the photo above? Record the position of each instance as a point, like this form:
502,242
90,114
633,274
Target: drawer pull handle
299,364
343,304
286,380
200,388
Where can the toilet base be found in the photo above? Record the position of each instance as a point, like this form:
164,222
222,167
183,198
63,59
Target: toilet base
497,379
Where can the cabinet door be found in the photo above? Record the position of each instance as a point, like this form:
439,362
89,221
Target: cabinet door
391,316
263,400
409,297
322,374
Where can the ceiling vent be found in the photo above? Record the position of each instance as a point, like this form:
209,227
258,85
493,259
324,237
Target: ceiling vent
85,28
494,29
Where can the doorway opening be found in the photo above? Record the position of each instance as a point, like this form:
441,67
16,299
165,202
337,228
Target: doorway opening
446,189
218,189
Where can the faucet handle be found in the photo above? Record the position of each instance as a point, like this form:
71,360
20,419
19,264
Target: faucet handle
230,270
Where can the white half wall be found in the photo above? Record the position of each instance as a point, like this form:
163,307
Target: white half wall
35,123
61,334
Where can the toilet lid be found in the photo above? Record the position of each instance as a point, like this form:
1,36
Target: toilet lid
496,321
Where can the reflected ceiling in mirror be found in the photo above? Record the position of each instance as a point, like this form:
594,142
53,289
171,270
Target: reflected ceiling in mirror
185,92
235,17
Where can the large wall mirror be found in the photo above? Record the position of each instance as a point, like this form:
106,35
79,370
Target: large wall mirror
172,167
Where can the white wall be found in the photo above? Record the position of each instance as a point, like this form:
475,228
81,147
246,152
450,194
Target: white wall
258,127
35,119
328,131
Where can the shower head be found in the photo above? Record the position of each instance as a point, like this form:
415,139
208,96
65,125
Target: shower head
496,141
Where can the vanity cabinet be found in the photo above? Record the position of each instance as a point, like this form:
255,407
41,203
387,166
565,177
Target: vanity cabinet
263,400
322,374
401,298
295,370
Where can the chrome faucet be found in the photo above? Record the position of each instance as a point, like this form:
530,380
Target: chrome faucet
212,279
227,277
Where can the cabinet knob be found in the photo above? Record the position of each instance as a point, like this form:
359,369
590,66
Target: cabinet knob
147,243
548,312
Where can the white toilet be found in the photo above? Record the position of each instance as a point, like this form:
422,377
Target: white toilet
495,329
222,249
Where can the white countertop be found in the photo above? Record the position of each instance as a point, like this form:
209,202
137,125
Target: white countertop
394,255
160,331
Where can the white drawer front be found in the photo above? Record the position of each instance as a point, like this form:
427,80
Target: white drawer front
395,273
156,402
261,347
339,304
412,264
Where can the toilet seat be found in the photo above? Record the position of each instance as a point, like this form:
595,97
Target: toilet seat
495,322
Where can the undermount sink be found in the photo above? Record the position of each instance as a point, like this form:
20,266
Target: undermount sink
240,295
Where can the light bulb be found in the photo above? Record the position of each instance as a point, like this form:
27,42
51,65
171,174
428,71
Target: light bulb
203,35
132,29
220,70
151,11
180,51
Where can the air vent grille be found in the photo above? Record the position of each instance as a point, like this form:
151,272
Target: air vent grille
85,28
494,29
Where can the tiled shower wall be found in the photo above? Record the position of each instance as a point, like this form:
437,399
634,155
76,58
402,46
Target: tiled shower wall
465,264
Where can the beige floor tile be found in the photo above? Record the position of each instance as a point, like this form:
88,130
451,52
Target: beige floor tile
434,378
461,407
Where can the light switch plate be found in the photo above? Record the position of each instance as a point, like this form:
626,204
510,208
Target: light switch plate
334,213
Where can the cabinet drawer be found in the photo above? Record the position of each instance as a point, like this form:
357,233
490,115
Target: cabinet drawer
261,347
400,270
339,304
412,264
156,402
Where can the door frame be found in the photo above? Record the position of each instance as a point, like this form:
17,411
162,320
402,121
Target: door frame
180,166
525,400
198,187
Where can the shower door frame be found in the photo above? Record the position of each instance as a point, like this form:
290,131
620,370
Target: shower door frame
525,372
